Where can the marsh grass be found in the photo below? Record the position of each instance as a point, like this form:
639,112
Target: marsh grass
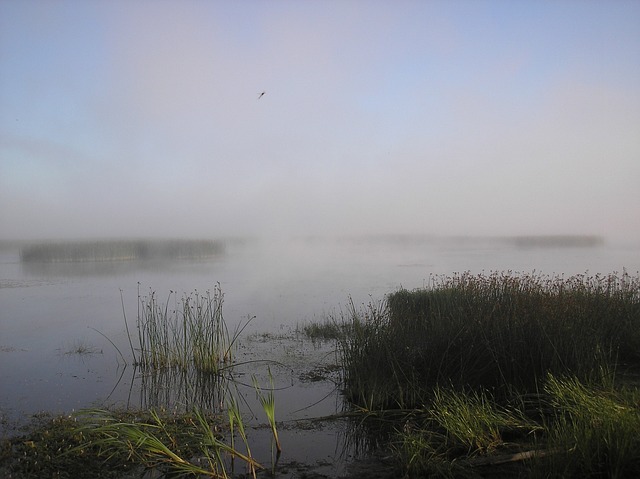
458,427
473,421
523,370
268,402
502,332
236,423
330,329
184,333
54,446
184,354
81,348
573,430
595,430
187,444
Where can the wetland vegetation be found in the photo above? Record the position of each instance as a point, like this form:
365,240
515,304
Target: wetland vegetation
120,250
497,374
503,368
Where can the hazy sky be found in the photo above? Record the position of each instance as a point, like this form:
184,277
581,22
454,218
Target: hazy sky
142,118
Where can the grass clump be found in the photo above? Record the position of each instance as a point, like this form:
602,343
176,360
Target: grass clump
81,348
594,432
502,332
520,372
457,432
472,421
106,444
190,333
56,447
189,444
327,330
572,429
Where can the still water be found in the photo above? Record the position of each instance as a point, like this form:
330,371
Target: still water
48,310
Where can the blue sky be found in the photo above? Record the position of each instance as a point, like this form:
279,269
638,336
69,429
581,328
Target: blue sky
142,118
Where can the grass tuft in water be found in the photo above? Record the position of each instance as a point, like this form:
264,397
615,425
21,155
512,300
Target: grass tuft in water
330,329
186,333
81,348
269,406
236,423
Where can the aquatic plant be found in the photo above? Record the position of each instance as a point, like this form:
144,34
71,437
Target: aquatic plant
472,420
503,332
269,406
570,429
236,422
330,329
81,348
190,444
191,332
595,431
53,446
473,361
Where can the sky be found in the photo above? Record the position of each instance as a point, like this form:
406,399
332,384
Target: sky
476,118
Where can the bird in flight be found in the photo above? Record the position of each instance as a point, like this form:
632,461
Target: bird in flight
261,94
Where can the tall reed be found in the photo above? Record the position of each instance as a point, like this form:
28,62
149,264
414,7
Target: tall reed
184,333
502,331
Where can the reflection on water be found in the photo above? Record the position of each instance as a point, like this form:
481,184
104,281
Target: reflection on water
181,389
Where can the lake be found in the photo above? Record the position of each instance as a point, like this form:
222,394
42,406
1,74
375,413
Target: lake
61,322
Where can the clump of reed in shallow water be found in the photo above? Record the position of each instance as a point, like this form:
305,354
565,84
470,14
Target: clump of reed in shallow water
185,333
519,372
502,332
